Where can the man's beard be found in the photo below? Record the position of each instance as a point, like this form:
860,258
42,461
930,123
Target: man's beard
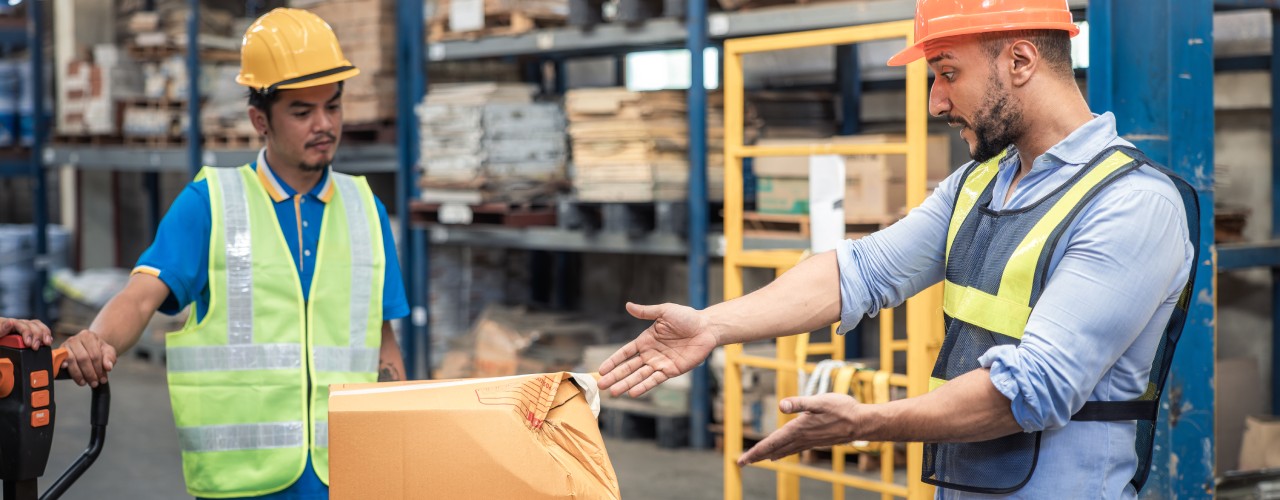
312,167
998,124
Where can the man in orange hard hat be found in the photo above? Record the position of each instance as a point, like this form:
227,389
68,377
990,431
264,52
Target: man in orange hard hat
292,269
1067,262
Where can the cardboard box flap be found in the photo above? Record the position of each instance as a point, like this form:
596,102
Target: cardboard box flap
527,436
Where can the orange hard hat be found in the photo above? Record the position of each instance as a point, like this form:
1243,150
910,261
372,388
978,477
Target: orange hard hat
943,18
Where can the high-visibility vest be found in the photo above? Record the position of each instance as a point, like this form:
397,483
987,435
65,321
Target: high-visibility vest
249,381
996,268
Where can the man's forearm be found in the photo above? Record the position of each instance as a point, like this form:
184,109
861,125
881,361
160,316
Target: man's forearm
803,299
966,409
390,361
123,319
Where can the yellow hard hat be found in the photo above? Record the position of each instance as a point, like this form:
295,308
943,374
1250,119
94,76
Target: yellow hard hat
291,49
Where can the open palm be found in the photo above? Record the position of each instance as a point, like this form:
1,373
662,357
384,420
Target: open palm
677,341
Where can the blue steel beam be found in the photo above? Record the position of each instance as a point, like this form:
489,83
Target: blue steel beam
700,400
1246,4
35,40
1275,210
1164,105
411,77
193,88
849,80
1238,256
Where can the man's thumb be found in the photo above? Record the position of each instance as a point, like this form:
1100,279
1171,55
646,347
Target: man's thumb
792,406
644,312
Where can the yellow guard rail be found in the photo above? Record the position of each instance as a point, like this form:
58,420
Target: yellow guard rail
924,311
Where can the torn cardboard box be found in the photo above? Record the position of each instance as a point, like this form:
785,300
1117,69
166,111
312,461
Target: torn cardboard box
526,436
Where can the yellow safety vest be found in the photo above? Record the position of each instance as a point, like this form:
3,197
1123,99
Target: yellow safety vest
249,381
996,268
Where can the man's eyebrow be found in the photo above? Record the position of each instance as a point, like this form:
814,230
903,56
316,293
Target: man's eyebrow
301,104
941,56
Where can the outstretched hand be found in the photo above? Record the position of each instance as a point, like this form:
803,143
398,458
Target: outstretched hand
828,419
677,341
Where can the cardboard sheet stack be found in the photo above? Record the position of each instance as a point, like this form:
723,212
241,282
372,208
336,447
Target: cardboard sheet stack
490,142
90,92
633,146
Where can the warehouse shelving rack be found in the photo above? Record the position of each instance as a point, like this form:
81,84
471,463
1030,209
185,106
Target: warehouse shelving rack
30,165
1265,254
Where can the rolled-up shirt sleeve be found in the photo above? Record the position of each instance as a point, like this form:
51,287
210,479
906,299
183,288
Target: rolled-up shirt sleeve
1128,255
885,268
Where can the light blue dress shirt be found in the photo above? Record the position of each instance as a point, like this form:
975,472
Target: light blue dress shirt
1113,284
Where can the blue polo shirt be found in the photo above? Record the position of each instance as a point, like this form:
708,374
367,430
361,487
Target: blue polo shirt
179,256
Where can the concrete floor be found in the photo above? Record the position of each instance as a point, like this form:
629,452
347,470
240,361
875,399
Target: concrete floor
141,459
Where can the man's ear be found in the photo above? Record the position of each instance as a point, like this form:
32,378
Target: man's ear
259,120
1025,61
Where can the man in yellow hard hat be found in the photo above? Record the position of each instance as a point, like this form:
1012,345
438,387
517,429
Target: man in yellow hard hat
1067,262
292,269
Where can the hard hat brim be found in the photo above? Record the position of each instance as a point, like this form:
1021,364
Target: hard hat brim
916,51
321,80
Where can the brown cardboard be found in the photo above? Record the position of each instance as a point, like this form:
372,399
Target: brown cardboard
1261,445
1245,398
526,436
875,185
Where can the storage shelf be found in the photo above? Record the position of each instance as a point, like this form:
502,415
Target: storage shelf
612,38
357,159
564,240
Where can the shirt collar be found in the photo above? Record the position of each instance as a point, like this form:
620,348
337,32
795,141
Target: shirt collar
280,191
1085,142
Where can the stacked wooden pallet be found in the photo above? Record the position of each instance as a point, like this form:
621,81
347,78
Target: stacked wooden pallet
490,142
366,30
633,146
462,19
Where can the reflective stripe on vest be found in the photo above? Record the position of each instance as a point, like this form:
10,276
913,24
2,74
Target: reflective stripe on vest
246,418
1008,310
241,436
361,244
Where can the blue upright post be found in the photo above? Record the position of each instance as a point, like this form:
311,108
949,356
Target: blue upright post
35,47
700,401
1164,105
193,88
849,80
411,75
1275,210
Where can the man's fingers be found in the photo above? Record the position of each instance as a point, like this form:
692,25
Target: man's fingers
657,377
45,333
632,381
77,362
6,326
644,312
617,359
91,358
108,359
622,373
801,404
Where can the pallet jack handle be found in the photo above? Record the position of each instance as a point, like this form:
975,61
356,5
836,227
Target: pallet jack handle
99,409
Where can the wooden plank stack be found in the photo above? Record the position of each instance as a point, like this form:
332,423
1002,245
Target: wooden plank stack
366,30
490,142
628,146
463,19
633,146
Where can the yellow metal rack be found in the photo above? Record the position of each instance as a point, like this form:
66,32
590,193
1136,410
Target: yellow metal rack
924,311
